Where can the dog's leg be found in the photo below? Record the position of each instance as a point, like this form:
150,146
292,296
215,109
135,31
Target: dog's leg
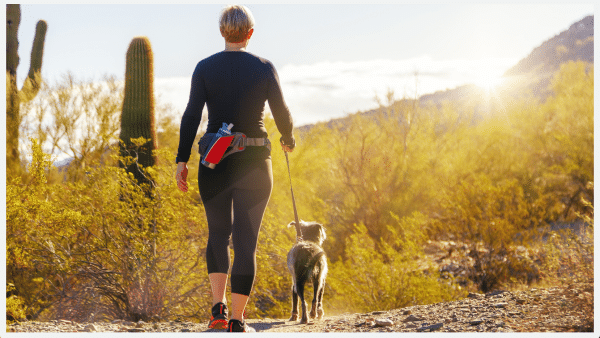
313,309
300,290
294,316
320,312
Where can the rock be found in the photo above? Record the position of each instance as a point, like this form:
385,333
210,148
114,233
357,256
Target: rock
431,327
495,293
407,312
500,305
90,328
383,322
412,318
136,329
475,295
139,325
476,322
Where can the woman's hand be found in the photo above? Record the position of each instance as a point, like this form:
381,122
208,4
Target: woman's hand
286,148
181,176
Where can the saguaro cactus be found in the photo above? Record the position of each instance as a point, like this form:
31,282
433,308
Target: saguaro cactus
137,117
31,86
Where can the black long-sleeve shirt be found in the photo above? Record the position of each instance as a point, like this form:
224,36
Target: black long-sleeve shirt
235,87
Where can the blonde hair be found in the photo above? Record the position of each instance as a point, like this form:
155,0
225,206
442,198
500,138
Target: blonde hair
235,23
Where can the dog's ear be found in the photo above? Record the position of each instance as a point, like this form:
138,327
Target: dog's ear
323,235
292,224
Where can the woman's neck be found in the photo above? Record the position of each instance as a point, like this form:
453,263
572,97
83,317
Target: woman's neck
236,47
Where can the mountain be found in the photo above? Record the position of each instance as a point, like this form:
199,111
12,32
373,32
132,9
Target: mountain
530,76
576,43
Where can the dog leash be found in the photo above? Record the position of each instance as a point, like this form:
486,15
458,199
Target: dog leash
298,231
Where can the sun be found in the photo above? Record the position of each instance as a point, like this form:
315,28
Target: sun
488,82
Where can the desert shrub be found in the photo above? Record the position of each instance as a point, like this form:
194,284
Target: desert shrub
569,262
487,216
78,249
15,310
76,118
88,242
26,208
377,276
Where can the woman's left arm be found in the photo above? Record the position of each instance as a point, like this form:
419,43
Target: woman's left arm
281,113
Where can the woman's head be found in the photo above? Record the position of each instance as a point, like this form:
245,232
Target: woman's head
235,23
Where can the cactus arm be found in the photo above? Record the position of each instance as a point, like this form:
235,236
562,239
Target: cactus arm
13,20
32,84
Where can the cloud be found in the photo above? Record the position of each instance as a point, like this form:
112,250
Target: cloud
326,90
174,91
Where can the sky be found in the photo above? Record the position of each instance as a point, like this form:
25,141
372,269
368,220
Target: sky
332,60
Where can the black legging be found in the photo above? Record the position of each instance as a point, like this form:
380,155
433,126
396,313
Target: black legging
235,195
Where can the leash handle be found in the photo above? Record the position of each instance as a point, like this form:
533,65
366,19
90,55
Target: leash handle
298,231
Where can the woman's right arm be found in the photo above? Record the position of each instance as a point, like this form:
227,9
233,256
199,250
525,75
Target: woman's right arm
181,176
191,117
188,128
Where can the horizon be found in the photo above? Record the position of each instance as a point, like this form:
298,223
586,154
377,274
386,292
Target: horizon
332,60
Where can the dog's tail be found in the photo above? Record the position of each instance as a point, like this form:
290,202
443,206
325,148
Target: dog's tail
310,266
293,223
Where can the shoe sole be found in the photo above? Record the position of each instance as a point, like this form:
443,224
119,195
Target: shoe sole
218,324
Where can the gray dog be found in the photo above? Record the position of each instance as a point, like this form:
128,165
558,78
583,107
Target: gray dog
307,262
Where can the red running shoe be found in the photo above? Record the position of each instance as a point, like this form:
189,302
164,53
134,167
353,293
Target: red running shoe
218,320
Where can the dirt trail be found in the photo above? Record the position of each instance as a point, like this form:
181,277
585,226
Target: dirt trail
557,309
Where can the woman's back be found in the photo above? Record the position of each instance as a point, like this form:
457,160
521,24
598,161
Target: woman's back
236,85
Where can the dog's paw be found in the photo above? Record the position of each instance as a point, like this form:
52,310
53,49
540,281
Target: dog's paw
320,314
294,317
304,321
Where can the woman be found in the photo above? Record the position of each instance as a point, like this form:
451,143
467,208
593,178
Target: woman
234,84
